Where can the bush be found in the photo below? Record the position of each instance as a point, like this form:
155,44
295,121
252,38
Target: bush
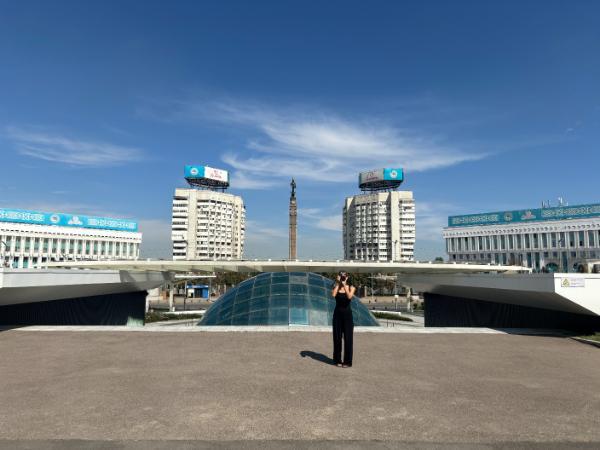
390,316
157,316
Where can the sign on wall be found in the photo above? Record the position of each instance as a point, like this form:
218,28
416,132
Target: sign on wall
527,215
66,220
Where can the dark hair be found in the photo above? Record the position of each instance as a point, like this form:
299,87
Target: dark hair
345,274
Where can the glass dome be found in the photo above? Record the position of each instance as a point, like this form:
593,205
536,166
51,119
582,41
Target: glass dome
280,298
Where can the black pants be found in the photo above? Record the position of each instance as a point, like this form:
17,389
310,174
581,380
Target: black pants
343,326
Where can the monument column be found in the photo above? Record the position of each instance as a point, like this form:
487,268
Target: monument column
293,221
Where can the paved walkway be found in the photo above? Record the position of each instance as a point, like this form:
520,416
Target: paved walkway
191,327
406,390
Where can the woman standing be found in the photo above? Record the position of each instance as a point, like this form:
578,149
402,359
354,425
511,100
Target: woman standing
343,325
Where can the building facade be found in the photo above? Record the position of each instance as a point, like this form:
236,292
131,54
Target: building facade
32,238
379,226
546,239
207,224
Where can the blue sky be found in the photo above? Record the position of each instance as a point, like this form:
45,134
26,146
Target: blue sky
487,106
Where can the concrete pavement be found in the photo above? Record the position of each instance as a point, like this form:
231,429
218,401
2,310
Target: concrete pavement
404,391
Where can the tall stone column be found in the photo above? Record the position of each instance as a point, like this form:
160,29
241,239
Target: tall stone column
293,221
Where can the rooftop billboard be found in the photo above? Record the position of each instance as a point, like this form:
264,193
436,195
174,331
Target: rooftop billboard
387,174
526,215
66,220
381,179
199,172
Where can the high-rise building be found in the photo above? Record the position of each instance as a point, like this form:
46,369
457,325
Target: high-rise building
207,223
553,239
32,238
379,224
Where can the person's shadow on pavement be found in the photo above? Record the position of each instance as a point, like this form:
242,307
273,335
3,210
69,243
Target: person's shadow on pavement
317,357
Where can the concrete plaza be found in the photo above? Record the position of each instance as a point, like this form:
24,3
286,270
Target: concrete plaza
106,389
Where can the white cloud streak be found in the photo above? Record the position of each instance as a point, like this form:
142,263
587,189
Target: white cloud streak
431,218
319,218
240,180
314,145
65,150
259,230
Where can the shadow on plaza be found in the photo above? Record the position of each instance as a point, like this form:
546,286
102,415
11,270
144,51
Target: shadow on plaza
317,357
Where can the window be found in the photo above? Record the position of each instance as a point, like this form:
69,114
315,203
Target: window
545,240
562,240
571,239
518,242
503,242
535,240
554,237
591,238
581,239
527,241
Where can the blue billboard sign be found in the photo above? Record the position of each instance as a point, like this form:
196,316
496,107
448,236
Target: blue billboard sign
526,215
66,220
393,174
381,175
193,172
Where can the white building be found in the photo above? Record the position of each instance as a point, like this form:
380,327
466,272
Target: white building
207,225
31,238
379,226
548,239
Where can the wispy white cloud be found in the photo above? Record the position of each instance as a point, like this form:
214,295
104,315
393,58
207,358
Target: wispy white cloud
241,180
431,217
322,219
310,143
66,150
259,230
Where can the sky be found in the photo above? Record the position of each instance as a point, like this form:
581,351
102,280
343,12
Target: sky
486,105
